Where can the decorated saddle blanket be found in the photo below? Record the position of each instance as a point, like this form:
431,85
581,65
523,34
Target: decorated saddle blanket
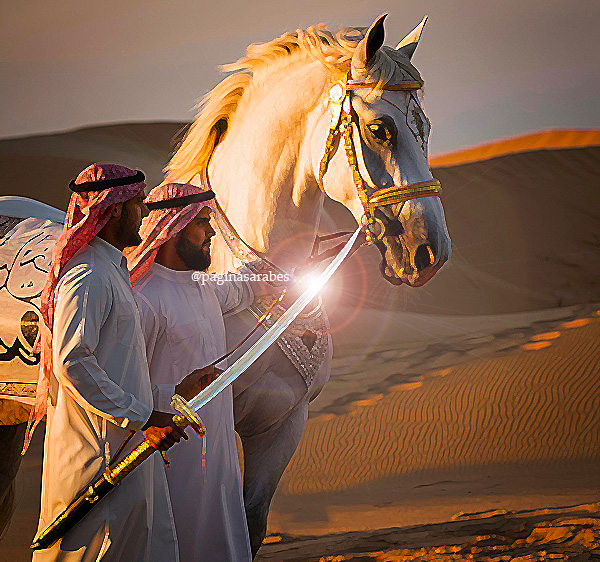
25,255
305,342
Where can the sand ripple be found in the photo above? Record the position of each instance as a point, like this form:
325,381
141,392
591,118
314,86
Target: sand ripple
526,406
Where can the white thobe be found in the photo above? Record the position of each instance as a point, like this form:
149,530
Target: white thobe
182,321
99,391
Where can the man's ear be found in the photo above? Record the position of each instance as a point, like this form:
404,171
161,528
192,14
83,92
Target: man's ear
118,210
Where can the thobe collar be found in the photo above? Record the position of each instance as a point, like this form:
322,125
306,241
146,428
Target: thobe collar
111,253
174,275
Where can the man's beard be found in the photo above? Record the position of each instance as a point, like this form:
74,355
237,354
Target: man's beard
192,256
127,233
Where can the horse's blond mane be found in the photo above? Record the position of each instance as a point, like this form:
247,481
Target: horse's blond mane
218,106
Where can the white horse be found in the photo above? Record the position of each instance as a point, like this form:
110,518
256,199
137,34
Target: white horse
306,115
261,137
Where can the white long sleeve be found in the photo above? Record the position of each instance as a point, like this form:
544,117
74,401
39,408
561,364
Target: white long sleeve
183,326
99,389
233,294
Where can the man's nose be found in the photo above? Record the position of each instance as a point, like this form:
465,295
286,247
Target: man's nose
145,210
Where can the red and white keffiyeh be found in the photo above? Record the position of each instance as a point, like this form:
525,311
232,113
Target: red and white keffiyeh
90,208
181,205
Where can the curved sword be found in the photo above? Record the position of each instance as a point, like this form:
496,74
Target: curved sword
113,476
188,416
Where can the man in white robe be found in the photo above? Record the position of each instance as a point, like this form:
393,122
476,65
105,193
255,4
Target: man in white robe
182,321
94,381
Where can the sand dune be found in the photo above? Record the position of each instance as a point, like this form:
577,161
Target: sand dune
533,405
41,166
532,142
524,231
528,405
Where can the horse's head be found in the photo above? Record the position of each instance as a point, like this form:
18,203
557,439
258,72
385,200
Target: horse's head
376,156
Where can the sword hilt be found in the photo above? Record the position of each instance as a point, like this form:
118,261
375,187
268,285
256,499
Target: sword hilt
186,418
187,415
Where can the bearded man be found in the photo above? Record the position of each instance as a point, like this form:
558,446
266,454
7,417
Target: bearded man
94,380
182,320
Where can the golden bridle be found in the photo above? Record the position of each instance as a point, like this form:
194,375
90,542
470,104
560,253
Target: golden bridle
341,122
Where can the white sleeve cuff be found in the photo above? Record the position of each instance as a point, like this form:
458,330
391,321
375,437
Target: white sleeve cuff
138,421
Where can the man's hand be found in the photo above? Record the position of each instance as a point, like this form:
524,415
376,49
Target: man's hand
160,430
196,381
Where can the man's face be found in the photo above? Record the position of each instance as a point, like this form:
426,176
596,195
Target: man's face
132,213
193,245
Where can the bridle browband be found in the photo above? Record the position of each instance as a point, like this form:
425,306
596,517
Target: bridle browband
341,123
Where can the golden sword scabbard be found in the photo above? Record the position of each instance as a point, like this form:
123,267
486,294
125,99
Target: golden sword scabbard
111,478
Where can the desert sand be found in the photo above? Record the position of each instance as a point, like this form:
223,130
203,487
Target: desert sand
462,420
407,446
514,426
570,533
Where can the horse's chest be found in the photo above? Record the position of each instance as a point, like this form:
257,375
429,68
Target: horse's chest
305,342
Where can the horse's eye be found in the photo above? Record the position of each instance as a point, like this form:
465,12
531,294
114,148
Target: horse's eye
380,132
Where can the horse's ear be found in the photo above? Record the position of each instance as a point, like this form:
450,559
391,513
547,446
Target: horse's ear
220,128
408,45
368,46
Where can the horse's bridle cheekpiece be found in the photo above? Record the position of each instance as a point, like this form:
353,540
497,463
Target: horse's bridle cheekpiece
341,123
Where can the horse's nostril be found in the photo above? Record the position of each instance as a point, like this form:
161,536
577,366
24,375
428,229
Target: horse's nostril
393,228
424,257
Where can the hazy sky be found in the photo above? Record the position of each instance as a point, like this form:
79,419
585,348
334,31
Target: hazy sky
492,68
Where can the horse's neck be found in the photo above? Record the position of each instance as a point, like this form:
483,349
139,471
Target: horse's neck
262,173
274,227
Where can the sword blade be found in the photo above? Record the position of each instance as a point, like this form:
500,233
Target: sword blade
271,335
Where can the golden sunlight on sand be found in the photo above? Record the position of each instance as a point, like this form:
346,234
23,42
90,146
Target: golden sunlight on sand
517,408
